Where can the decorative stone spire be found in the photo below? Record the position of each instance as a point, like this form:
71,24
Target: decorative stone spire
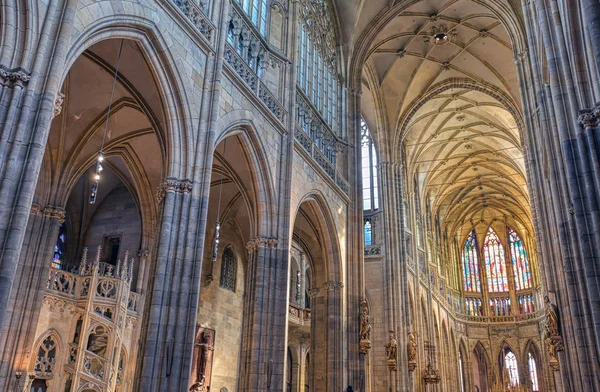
83,262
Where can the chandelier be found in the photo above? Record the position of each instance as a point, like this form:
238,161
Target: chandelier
431,375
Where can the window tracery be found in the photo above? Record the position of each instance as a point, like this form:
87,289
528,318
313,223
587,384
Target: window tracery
317,74
368,233
228,270
520,261
472,280
257,11
495,264
510,364
46,358
533,376
369,169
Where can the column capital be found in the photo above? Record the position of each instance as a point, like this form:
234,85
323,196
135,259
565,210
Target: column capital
588,118
14,76
261,242
333,285
173,185
55,213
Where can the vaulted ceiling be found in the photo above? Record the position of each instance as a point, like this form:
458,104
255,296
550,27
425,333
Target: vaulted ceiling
449,107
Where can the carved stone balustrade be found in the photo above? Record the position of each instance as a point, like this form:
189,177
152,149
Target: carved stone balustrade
298,315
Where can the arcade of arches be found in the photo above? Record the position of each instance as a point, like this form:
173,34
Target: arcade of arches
300,195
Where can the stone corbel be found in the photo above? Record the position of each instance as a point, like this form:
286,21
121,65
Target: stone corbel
333,285
173,185
58,102
589,118
55,213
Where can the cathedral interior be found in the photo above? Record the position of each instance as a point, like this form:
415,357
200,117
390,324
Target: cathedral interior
300,195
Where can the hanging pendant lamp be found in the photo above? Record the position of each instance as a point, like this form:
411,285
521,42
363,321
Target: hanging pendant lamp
100,156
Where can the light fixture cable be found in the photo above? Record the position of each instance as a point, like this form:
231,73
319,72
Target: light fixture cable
99,168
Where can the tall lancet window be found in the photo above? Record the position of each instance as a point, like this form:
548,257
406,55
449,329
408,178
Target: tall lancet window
228,270
533,376
59,248
520,261
495,266
510,364
471,265
369,170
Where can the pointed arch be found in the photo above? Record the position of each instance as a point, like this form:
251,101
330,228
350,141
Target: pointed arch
532,366
508,364
495,262
47,350
481,367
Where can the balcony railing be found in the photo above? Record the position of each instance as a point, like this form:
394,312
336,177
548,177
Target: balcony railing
252,81
195,13
299,315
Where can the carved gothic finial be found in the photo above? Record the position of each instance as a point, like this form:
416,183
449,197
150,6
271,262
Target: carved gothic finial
118,268
97,258
83,262
130,271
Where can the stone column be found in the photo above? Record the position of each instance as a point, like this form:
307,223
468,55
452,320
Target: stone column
166,359
27,97
265,317
26,297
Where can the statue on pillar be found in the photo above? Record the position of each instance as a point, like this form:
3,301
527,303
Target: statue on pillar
411,351
552,333
365,328
202,365
391,351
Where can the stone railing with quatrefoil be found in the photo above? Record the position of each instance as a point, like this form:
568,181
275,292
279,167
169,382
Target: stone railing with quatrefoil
105,314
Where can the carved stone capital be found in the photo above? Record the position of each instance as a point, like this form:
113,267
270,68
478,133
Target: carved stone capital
261,242
15,76
589,118
173,185
55,213
333,285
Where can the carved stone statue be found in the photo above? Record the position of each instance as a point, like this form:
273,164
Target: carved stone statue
199,386
391,351
411,351
552,333
552,327
203,355
365,328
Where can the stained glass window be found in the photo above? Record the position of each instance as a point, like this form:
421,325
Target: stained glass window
368,237
500,306
228,270
460,372
471,264
535,387
510,363
257,11
474,306
526,303
369,170
59,248
495,265
520,261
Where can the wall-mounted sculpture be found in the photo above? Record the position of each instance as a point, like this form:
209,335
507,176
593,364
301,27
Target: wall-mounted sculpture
365,328
203,357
